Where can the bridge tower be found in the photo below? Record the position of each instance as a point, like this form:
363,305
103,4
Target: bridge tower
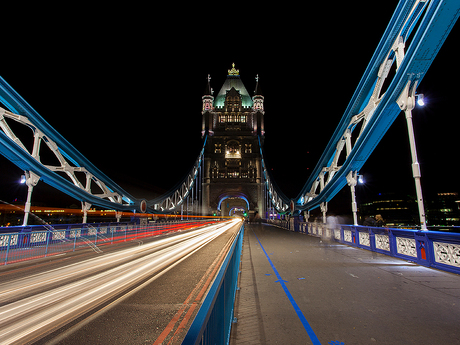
232,179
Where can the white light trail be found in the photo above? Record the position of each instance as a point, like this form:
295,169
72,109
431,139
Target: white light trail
37,304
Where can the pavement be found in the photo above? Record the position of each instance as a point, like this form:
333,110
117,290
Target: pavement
299,289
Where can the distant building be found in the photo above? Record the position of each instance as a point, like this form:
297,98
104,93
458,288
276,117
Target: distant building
396,209
443,210
232,178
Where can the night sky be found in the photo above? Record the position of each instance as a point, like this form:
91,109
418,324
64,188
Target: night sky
124,86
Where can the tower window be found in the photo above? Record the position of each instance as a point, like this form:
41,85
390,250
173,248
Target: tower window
247,148
233,172
214,171
233,149
232,117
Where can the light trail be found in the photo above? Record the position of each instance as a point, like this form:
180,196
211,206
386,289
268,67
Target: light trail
36,305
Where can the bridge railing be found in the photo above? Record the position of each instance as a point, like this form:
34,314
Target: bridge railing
31,242
435,249
213,321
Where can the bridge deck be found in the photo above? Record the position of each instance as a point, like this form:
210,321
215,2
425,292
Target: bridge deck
344,295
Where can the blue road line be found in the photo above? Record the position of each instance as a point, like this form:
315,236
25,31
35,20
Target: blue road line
299,313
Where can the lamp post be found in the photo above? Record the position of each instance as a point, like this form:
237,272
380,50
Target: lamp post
353,179
30,179
406,103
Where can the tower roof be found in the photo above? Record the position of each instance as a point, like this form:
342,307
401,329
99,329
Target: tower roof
233,80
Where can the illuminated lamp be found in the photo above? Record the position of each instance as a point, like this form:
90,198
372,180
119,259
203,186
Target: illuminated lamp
421,99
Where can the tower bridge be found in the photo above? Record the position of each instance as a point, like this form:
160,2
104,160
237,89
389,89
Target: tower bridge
233,122
371,269
231,162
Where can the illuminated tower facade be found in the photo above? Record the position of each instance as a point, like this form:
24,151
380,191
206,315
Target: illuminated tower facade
232,171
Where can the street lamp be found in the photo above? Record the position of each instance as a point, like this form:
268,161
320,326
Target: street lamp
421,99
352,180
406,102
30,179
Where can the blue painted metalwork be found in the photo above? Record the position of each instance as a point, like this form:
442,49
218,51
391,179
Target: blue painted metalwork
376,112
434,27
18,105
24,161
212,324
176,196
113,197
234,195
279,201
427,248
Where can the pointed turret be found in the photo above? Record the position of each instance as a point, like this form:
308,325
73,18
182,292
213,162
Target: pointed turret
258,106
208,97
208,101
258,90
258,98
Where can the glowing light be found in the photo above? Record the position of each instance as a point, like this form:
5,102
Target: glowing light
421,99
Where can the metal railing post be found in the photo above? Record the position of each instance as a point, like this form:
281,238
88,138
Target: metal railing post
48,235
75,240
95,236
8,248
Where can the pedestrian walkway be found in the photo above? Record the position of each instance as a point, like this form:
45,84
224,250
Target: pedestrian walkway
299,289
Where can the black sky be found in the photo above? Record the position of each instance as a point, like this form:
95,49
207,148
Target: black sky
124,86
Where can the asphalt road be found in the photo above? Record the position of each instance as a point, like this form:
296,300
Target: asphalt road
128,294
299,289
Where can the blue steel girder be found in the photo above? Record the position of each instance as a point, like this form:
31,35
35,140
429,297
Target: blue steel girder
373,109
178,194
71,162
25,161
279,201
277,198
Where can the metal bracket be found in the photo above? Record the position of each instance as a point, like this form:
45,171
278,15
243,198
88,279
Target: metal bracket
406,100
352,178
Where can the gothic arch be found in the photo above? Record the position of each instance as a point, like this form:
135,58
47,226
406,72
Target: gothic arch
233,195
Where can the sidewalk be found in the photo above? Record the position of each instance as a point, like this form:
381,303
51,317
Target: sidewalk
317,292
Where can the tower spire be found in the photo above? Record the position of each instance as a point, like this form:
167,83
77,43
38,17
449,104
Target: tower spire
208,91
207,102
258,98
208,98
258,90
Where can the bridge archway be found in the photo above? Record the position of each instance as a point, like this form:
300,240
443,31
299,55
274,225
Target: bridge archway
230,202
237,211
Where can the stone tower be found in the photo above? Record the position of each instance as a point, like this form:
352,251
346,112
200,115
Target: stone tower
232,172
